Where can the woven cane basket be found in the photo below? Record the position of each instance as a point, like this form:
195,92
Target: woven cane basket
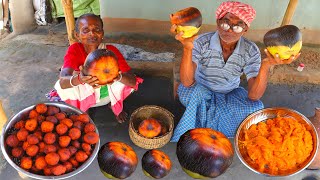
165,118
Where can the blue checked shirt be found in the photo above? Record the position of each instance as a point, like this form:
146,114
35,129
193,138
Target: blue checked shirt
216,74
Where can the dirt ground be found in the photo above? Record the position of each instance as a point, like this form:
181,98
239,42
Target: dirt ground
284,74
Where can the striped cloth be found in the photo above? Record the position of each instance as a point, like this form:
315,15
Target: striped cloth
216,74
205,108
85,96
243,11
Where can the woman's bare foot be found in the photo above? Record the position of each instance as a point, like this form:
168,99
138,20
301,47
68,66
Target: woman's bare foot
122,117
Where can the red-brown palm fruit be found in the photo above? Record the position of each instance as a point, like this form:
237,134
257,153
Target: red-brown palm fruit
22,134
74,162
81,156
52,158
41,118
52,110
25,145
73,117
91,138
52,119
47,170
49,148
67,122
41,147
49,138
72,150
40,162
102,64
89,127
123,158
12,140
31,124
17,152
60,115
26,163
64,141
74,133
149,128
156,164
33,114
83,118
68,166
32,150
47,126
86,147
19,124
61,129
32,139
76,144
39,134
64,154
78,124
58,170
41,108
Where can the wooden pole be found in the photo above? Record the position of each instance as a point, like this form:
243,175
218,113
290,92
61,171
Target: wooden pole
5,6
3,117
289,12
69,18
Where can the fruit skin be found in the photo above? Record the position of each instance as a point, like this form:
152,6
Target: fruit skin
156,164
193,175
188,21
149,128
284,41
190,16
91,138
204,152
103,64
117,160
12,140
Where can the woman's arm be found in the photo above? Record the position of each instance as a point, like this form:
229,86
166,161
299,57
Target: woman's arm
258,84
65,76
127,78
69,78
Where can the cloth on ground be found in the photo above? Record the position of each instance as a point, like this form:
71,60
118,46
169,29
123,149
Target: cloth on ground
221,112
79,7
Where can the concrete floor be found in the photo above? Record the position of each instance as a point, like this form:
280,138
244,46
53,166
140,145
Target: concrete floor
158,91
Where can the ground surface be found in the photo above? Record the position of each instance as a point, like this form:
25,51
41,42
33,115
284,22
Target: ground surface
29,68
110,130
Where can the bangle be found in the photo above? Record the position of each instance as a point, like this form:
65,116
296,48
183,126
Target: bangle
71,80
120,74
80,79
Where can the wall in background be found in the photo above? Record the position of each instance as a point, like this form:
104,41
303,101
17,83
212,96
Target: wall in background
269,12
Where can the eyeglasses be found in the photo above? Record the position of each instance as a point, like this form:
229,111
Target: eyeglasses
225,25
